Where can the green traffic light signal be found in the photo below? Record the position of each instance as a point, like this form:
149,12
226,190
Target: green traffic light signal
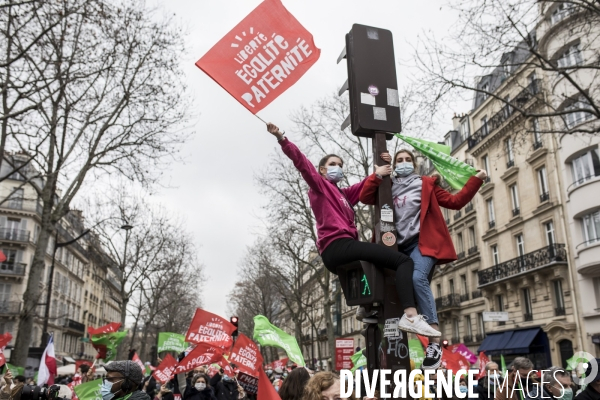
366,289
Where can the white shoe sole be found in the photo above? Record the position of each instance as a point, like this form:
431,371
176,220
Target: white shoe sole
411,330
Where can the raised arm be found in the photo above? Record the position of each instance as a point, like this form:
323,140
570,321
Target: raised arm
302,164
368,186
460,199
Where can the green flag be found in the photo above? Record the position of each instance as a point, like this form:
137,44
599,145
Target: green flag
415,348
14,370
106,344
358,360
267,334
89,390
455,172
169,341
502,364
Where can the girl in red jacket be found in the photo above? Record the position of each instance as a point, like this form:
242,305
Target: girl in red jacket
337,236
422,231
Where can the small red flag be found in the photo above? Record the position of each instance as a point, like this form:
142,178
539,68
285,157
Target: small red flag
2,256
136,359
207,327
483,360
454,361
266,391
246,355
203,354
424,340
108,328
262,56
5,338
280,363
164,372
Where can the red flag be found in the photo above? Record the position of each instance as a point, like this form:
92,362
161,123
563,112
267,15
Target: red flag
2,256
454,361
266,391
136,359
207,327
108,328
246,355
5,338
483,360
280,363
203,354
164,372
262,56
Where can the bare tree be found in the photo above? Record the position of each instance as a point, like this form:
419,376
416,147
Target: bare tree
493,41
110,99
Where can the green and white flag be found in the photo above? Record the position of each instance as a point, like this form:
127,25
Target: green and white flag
454,171
267,334
14,370
169,341
415,348
358,360
89,390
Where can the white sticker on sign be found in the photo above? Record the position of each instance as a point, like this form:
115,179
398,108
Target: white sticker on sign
390,330
367,98
387,215
392,98
379,113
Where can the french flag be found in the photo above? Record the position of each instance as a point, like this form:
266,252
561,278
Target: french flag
47,369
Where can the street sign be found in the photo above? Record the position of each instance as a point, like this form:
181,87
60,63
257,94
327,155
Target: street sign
344,349
493,316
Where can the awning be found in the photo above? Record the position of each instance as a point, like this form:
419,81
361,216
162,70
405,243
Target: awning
509,342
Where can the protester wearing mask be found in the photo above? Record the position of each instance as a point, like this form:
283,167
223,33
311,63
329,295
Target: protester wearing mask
200,389
519,377
227,389
556,385
337,236
422,231
122,381
486,386
592,390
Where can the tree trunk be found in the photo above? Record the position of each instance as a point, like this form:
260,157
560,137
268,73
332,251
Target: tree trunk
142,352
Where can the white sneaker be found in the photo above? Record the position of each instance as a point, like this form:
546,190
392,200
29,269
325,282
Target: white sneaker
417,324
366,317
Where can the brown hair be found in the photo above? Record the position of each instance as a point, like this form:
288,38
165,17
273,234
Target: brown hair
293,386
327,157
410,153
318,383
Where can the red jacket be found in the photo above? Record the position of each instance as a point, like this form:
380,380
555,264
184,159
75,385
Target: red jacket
434,238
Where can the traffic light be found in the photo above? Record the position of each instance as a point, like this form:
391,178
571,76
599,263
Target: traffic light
445,343
372,83
361,283
234,322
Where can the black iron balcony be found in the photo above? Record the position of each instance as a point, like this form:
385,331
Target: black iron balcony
75,326
461,255
501,323
472,250
10,308
492,224
15,235
475,294
455,339
516,211
464,297
12,268
560,311
544,197
479,337
537,145
539,258
469,208
510,163
505,112
457,215
468,339
447,221
528,317
448,301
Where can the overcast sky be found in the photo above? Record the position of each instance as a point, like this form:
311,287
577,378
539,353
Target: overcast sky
214,191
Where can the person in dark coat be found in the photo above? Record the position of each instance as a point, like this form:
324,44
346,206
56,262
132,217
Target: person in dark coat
227,389
199,389
486,386
592,391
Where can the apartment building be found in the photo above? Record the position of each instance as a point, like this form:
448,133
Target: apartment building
76,291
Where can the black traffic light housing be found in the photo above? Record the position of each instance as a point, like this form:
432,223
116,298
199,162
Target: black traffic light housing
372,83
361,284
445,343
234,322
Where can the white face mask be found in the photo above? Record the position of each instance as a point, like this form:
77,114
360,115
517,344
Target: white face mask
334,173
200,386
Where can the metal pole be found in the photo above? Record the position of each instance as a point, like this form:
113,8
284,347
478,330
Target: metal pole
49,295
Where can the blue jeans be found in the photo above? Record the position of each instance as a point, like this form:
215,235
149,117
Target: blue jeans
422,289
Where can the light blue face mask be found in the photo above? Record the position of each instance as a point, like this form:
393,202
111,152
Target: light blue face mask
334,173
463,389
404,168
105,390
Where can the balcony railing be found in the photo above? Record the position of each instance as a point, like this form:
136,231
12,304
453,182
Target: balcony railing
469,208
516,211
528,317
505,112
510,163
537,145
472,250
448,301
12,268
546,255
492,224
544,197
581,181
22,204
75,326
15,235
464,297
475,294
457,215
559,311
461,255
455,339
10,307
468,339
479,337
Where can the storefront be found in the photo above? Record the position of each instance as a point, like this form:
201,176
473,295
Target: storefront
531,343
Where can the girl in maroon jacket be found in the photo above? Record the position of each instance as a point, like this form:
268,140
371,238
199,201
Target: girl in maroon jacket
337,236
422,231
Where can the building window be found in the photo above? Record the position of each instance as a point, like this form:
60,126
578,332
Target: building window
455,328
500,302
550,233
597,292
484,90
591,227
481,324
586,166
486,165
464,129
468,327
472,239
495,255
559,297
510,156
577,114
520,245
514,196
543,184
571,57
537,136
527,305
562,11
438,288
451,283
484,126
491,214
463,282
460,243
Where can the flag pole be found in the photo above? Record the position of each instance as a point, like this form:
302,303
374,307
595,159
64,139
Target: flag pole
263,121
